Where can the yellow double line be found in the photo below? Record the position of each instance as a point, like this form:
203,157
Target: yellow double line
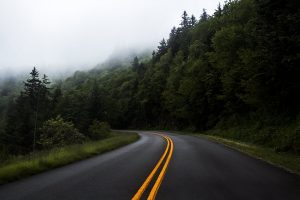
154,190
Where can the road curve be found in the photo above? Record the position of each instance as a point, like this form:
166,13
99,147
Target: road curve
198,169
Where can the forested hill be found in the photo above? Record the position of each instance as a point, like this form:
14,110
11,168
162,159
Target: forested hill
240,62
235,72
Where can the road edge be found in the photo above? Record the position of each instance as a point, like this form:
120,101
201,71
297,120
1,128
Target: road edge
247,149
45,161
242,147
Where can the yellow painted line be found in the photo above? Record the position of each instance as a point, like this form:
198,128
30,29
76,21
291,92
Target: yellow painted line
141,190
160,178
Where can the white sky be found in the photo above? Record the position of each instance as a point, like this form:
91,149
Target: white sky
67,34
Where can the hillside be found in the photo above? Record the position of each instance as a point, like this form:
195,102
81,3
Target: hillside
232,74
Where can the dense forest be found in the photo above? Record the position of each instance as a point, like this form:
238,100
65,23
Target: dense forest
233,74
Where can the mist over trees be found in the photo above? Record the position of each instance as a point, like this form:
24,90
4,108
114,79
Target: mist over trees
235,71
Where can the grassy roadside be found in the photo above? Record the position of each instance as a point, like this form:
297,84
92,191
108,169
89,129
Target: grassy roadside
287,161
25,166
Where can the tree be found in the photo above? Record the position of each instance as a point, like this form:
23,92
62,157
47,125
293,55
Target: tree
135,64
138,67
275,58
58,133
43,104
162,48
173,42
185,21
204,16
29,110
218,12
32,88
153,54
236,69
193,20
172,100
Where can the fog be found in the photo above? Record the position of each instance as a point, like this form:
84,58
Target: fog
61,35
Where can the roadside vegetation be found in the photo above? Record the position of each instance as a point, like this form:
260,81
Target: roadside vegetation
23,166
234,74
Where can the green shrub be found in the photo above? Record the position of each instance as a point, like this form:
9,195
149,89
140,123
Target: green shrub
57,133
99,130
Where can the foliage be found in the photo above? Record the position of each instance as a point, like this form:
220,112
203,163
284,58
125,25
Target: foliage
235,71
57,133
26,113
99,130
23,166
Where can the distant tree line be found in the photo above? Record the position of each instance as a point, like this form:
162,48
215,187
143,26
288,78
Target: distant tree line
236,70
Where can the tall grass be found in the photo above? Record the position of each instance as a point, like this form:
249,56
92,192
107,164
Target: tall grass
23,166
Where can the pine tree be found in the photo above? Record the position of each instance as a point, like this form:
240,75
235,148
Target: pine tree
193,20
135,64
27,113
32,88
218,12
45,81
44,99
173,42
204,16
162,48
153,54
185,22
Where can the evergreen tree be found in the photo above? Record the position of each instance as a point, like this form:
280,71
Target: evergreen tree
204,16
276,58
32,88
173,42
185,21
135,64
239,66
193,20
27,113
44,98
153,56
162,48
138,67
218,12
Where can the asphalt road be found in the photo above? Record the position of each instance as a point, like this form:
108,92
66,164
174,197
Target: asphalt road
198,169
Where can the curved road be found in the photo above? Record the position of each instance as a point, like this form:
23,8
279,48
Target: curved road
198,169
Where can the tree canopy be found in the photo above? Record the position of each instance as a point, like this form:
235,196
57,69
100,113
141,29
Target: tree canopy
236,67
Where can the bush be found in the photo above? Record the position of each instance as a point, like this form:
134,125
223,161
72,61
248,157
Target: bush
57,133
99,130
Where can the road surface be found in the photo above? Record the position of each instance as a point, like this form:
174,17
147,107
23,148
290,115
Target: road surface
190,168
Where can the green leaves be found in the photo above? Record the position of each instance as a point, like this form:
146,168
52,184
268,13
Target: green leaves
99,130
240,62
58,133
